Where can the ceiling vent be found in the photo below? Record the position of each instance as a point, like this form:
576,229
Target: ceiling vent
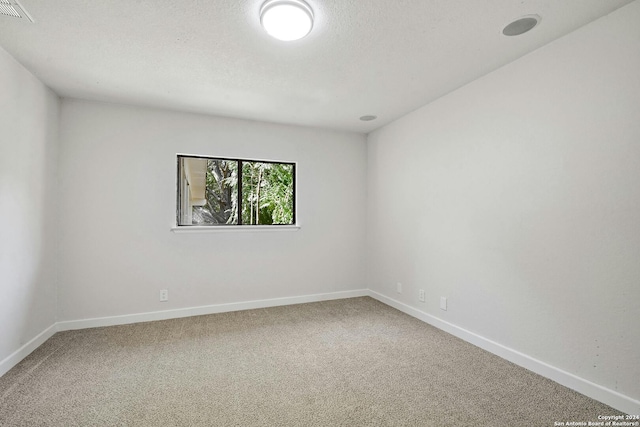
14,9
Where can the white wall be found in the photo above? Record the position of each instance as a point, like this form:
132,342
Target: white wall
118,203
518,198
28,144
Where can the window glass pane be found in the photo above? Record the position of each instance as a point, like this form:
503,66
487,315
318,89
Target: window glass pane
221,194
267,193
207,191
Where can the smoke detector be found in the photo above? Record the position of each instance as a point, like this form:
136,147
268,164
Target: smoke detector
14,9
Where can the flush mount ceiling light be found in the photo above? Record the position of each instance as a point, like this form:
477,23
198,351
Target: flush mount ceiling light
521,25
368,118
286,20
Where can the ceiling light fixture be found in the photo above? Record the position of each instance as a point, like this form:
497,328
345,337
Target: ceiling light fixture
286,20
521,25
368,118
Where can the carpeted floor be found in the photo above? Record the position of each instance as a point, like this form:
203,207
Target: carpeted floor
354,362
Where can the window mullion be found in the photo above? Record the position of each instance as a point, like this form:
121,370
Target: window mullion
239,204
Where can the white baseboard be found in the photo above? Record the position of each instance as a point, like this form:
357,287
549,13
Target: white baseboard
14,358
207,309
602,394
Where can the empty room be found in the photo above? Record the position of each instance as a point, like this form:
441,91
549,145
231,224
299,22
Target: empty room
319,213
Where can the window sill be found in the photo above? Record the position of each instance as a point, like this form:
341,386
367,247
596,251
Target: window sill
232,228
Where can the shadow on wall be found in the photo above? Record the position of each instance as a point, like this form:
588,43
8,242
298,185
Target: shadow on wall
27,210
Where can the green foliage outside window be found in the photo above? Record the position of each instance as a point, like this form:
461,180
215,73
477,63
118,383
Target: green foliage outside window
267,193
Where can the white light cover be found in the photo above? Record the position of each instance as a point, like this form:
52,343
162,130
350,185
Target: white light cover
286,20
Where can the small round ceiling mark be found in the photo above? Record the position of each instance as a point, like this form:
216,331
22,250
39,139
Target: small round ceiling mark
521,25
368,118
286,20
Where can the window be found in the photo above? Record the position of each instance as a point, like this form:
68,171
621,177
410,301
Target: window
218,191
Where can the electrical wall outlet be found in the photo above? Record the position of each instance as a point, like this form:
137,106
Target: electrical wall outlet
399,287
421,295
164,295
443,303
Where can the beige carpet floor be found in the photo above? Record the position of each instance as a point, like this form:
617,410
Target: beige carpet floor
353,362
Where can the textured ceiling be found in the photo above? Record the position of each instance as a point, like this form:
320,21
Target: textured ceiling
378,57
